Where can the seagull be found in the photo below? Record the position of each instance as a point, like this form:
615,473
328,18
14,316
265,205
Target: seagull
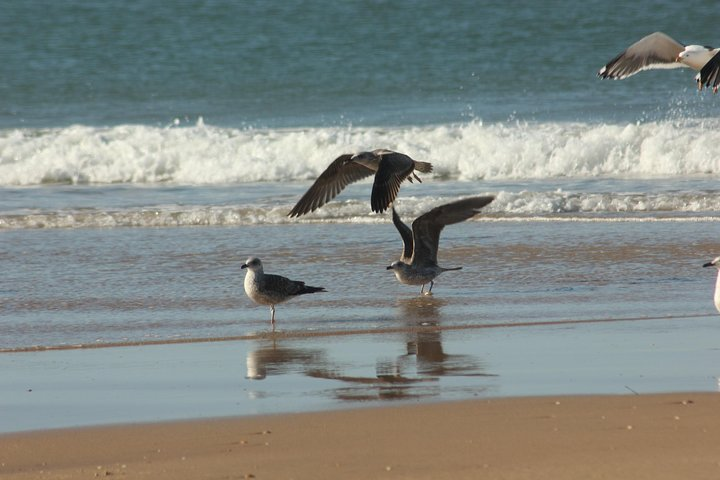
270,290
390,169
716,263
658,50
418,263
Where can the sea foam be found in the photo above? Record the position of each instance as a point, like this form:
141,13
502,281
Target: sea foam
508,206
208,155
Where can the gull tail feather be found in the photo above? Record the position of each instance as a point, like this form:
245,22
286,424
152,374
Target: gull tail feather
423,167
451,268
308,289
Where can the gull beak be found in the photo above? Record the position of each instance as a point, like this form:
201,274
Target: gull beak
389,267
244,265
709,264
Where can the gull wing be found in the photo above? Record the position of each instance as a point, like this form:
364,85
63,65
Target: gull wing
407,237
279,285
427,227
710,74
338,175
393,169
657,50
282,287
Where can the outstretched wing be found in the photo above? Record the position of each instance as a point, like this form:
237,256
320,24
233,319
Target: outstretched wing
393,169
657,50
407,237
332,181
427,227
710,74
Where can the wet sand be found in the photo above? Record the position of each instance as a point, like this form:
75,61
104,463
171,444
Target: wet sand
561,437
289,374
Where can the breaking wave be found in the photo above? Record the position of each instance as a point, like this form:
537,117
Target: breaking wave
207,155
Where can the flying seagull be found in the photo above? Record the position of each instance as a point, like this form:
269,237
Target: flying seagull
716,263
390,169
270,290
418,263
657,50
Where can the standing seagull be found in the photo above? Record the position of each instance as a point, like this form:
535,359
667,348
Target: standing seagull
657,50
390,169
270,290
418,263
716,263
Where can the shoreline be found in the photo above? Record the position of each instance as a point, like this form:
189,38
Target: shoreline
671,435
304,334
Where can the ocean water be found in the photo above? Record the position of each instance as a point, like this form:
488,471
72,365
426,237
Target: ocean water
146,150
362,62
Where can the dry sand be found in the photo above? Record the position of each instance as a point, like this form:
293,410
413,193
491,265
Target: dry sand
674,436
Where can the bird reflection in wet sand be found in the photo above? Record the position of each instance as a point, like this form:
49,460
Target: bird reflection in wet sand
411,375
420,311
417,373
425,344
388,383
431,359
394,378
275,360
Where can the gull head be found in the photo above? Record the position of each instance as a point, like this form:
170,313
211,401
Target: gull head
253,264
714,263
395,266
694,56
363,157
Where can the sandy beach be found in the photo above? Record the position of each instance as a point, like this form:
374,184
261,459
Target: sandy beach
561,437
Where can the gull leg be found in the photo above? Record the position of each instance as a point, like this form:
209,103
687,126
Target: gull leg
422,289
272,317
429,292
416,177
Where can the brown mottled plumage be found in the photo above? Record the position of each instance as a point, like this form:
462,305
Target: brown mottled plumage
390,169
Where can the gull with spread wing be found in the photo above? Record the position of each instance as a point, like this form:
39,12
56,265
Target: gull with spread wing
659,50
390,169
418,263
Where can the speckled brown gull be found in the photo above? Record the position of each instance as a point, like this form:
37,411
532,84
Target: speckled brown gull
418,262
267,289
390,170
